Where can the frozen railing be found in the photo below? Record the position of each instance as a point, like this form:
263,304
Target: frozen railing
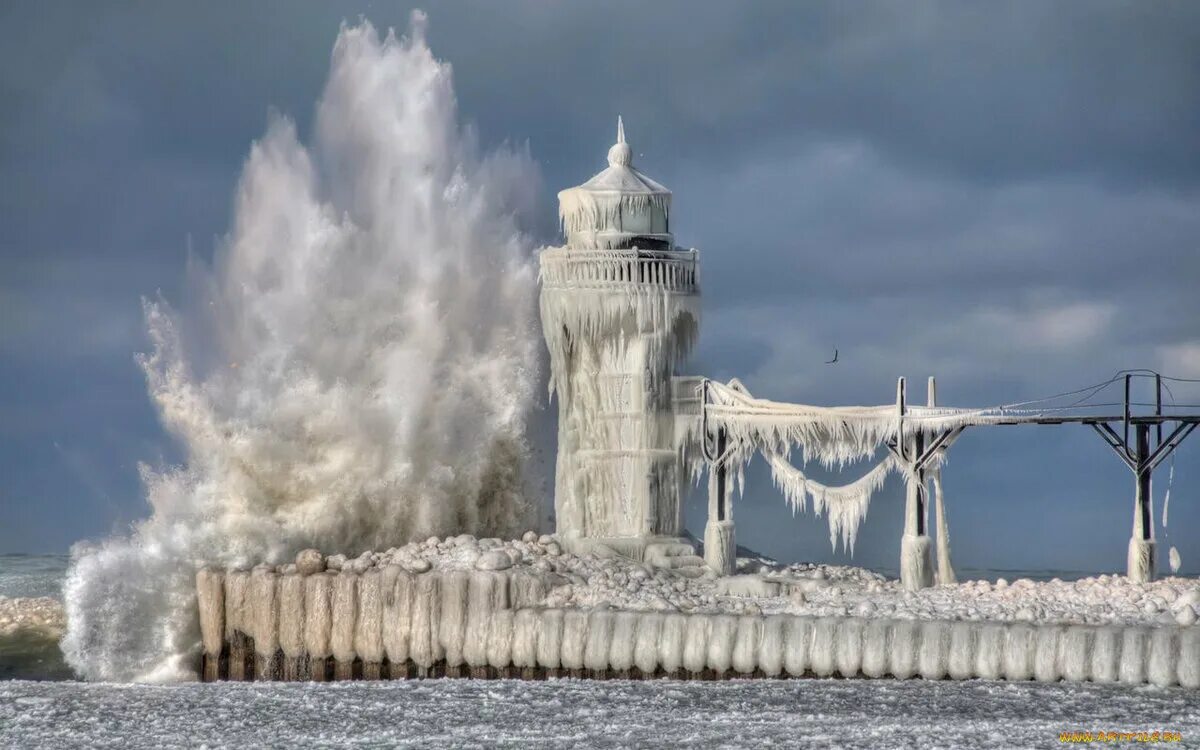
686,395
672,270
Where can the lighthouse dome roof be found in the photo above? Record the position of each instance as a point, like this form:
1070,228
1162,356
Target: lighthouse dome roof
616,204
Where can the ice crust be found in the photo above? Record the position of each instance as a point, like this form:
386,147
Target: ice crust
819,590
567,713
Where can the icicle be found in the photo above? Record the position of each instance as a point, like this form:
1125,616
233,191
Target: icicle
1167,496
945,571
846,505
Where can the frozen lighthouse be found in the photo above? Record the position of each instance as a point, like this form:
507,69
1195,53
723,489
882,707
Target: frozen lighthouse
620,309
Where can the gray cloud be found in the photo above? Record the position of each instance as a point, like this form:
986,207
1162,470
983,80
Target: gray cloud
1000,194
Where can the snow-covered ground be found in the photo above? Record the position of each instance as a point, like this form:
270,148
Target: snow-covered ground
571,713
822,590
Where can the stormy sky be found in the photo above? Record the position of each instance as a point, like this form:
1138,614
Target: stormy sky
1004,195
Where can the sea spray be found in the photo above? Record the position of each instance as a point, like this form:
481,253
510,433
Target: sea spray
363,371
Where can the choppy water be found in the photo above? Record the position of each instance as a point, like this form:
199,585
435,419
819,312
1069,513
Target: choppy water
30,652
32,575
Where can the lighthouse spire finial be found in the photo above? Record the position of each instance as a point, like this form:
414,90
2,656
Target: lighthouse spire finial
620,155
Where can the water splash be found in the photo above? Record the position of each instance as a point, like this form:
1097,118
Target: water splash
372,358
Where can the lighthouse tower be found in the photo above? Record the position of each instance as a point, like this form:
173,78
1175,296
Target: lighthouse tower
620,309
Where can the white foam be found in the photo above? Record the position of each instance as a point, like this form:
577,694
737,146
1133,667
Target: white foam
361,367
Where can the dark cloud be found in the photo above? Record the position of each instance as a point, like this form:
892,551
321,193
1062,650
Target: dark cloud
1001,194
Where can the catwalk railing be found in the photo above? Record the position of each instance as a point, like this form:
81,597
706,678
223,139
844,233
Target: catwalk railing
671,270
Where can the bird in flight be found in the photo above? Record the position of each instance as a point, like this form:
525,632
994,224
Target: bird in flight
835,358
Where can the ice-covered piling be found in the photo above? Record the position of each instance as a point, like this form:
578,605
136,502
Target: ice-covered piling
368,628
291,626
236,628
344,604
317,621
398,588
263,606
210,594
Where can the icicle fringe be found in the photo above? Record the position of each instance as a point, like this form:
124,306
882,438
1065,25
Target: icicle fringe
592,211
846,506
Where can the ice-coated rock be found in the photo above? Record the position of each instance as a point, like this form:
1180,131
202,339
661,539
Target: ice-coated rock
335,562
1189,598
494,559
309,561
417,565
545,539
360,564
748,585
553,549
1185,616
529,537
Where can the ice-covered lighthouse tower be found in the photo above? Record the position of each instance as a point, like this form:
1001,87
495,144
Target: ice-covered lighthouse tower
620,308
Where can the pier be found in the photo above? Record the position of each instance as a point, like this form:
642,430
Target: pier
390,623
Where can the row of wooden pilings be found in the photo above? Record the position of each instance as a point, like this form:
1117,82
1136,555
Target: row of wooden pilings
388,623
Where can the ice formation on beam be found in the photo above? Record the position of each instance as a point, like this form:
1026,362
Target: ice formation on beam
835,436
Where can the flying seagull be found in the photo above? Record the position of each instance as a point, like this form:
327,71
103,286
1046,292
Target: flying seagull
835,358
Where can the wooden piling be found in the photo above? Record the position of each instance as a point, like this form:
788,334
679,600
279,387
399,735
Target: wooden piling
237,657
